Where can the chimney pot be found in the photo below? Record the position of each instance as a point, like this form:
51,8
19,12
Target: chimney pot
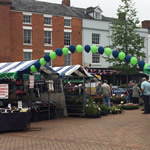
66,3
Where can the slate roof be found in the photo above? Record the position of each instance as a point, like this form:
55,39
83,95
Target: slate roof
51,8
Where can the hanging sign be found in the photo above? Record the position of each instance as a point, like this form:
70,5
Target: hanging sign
3,91
31,82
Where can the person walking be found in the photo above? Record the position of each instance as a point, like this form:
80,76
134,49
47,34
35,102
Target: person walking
145,88
105,90
136,94
130,91
98,88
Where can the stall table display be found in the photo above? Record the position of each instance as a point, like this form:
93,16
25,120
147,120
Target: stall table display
14,121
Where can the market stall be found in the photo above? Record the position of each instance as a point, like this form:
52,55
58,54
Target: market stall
74,79
20,88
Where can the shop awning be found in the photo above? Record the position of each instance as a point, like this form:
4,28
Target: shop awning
74,70
11,70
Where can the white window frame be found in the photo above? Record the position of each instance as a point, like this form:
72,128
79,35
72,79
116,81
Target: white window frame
67,31
99,38
47,52
48,16
27,14
48,30
27,51
67,18
96,55
67,58
27,28
96,16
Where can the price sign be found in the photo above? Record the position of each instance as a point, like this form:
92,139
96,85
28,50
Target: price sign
31,81
3,91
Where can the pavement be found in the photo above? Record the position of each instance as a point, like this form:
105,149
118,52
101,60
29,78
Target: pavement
127,131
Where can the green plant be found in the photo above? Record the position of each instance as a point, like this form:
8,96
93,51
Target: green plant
117,99
115,109
92,109
129,106
104,109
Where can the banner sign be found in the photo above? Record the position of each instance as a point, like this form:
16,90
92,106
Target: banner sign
31,81
3,91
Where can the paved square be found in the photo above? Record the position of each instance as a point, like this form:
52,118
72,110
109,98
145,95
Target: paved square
127,131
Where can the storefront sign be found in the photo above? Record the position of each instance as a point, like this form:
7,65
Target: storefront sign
3,91
31,81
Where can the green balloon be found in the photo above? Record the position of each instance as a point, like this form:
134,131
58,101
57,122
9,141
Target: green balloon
122,55
65,51
42,61
94,49
108,51
133,61
52,55
33,68
79,48
146,65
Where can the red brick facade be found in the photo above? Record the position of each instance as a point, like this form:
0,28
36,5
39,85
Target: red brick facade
11,36
146,24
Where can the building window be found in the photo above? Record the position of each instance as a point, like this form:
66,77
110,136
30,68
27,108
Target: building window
97,15
68,59
27,56
26,19
95,38
67,38
27,36
47,21
96,58
67,22
48,37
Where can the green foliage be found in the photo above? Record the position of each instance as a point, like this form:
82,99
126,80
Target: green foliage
125,37
130,107
92,109
117,100
115,109
104,109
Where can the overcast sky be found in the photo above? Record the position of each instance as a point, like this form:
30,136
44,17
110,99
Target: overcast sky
109,7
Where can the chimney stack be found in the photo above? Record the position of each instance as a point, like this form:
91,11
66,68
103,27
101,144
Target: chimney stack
5,2
66,3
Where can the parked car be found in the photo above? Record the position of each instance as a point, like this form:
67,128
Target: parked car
119,91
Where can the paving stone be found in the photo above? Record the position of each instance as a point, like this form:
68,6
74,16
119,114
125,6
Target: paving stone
127,131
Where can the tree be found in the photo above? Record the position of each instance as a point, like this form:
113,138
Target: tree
125,38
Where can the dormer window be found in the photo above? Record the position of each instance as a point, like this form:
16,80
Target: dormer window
97,15
94,12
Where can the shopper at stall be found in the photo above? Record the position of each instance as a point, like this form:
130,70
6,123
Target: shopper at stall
145,87
130,91
136,94
105,90
98,88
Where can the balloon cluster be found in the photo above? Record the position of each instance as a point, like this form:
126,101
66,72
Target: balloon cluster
94,49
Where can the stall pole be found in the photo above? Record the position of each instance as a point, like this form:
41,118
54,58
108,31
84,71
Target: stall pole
83,96
49,107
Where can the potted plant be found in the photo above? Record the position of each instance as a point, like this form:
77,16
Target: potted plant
104,109
92,110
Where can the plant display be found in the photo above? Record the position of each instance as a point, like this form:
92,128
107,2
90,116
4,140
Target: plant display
130,106
92,110
104,109
117,99
115,110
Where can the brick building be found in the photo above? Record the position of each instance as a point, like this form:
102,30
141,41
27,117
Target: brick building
30,29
